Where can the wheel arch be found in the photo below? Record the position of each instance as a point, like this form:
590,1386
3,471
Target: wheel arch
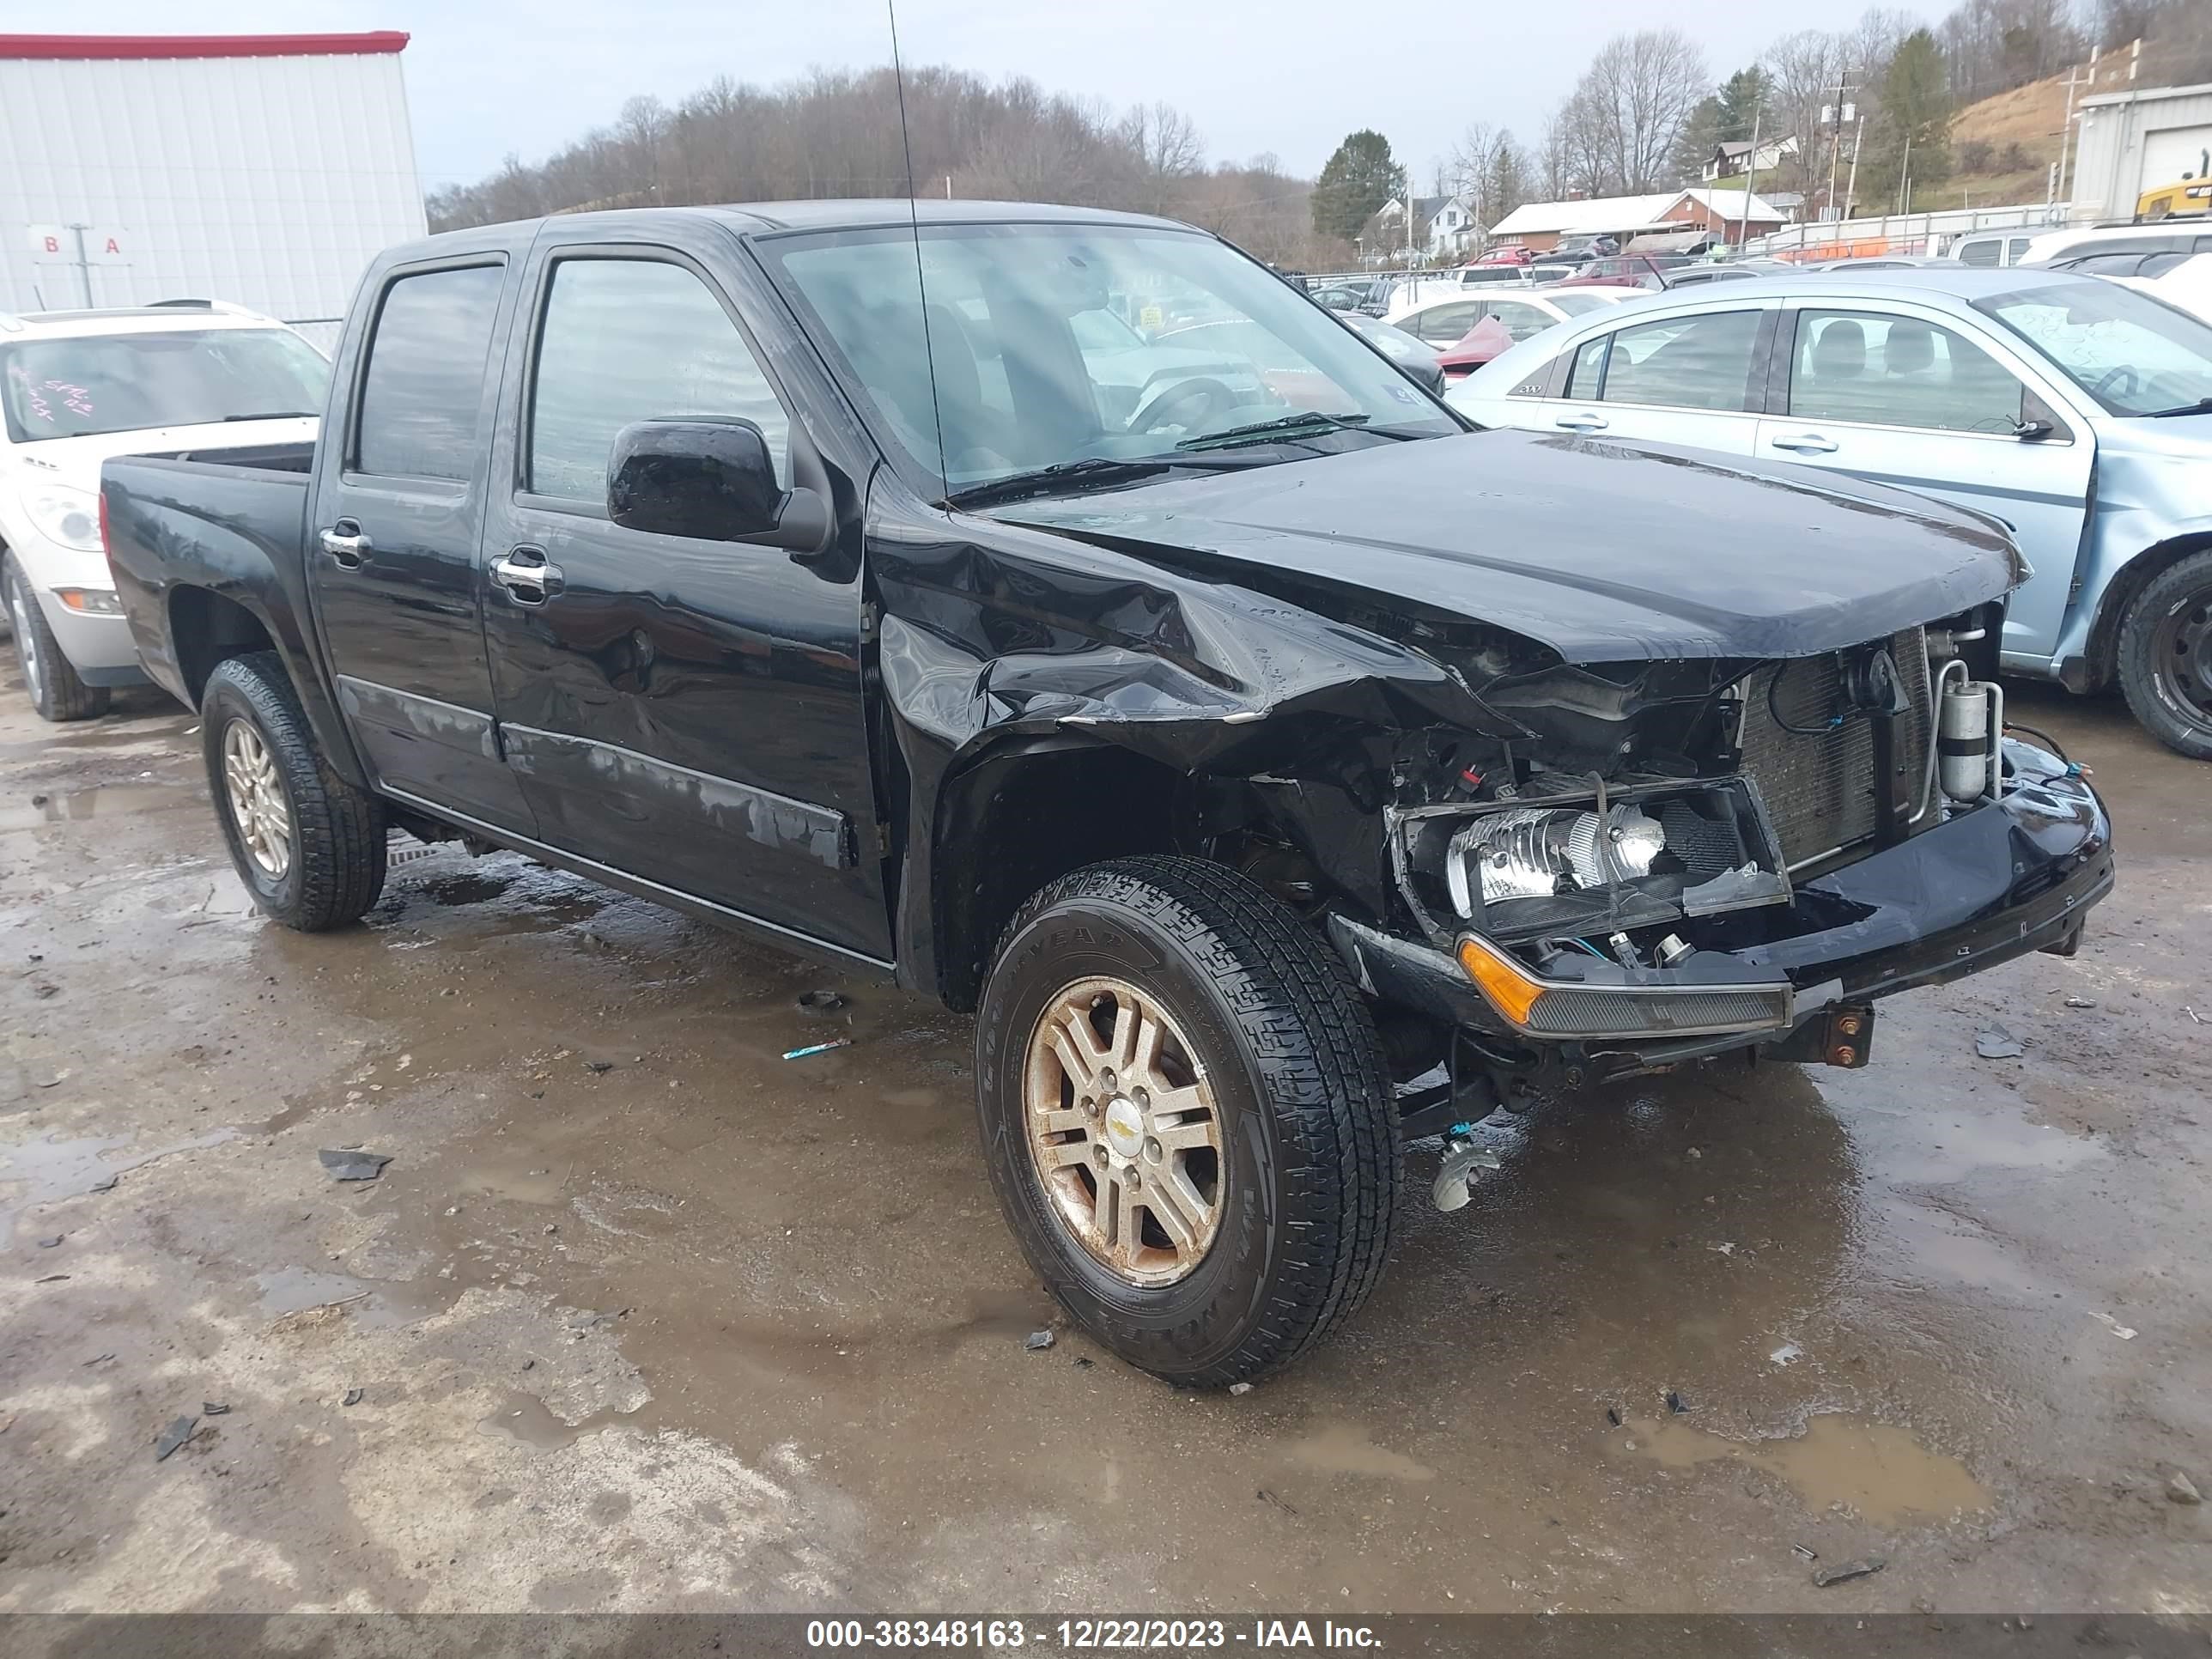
2126,586
1021,814
207,627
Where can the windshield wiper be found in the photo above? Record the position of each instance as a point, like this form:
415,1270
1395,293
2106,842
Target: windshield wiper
1306,421
1044,480
2202,406
275,415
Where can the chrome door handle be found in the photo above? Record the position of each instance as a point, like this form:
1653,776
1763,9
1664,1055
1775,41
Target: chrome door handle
348,548
1581,423
1807,443
526,576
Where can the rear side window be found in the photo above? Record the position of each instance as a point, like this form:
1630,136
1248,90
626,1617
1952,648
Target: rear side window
1684,362
1589,368
424,386
636,340
1979,253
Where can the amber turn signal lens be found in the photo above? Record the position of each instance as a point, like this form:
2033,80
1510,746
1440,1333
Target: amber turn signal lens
1504,981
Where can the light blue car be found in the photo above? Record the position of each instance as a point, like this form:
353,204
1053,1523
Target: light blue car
2077,410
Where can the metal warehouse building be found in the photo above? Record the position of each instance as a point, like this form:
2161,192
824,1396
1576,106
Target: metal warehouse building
2132,142
262,169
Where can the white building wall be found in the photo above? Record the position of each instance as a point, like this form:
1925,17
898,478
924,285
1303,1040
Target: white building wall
2128,144
269,181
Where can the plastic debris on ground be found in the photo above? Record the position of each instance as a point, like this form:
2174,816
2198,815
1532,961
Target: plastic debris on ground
353,1397
1998,1043
179,1430
348,1164
1240,1388
817,1049
2181,1490
1037,1341
214,1408
820,1002
2125,1333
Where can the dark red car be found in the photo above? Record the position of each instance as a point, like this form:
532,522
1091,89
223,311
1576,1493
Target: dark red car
1476,347
1630,270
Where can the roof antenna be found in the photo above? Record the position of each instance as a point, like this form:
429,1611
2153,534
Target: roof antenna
914,218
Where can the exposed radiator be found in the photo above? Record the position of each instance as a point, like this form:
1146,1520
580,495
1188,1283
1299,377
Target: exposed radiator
1819,787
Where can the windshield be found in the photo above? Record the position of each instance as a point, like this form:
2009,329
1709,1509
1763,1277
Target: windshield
2132,354
80,385
1058,342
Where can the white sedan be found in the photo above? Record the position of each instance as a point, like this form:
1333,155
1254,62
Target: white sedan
1522,315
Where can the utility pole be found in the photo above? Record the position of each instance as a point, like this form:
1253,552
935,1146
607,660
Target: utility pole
83,264
2066,127
1835,116
1904,177
1851,190
1750,176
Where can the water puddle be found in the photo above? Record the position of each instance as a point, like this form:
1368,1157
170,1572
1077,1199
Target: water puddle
526,1417
100,801
1875,1469
51,1170
376,1304
1347,1449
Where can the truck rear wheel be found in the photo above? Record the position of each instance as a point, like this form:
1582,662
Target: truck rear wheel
309,846
49,676
1187,1116
2166,657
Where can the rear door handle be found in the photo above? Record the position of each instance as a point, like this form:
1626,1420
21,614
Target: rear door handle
1581,422
1807,443
526,575
344,541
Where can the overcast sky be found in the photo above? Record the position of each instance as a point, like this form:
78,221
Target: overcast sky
1293,76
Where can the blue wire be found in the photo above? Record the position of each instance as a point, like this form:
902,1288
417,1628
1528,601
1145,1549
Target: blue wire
1593,950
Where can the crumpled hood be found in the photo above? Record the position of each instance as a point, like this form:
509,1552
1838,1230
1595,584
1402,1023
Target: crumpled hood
1603,551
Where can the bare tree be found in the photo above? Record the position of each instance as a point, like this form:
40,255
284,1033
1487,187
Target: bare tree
1802,67
1169,151
1628,111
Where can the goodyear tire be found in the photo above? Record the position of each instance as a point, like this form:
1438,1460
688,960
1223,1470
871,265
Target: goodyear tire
309,846
1188,1118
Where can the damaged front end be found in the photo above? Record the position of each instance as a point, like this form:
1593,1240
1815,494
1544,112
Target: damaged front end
1751,870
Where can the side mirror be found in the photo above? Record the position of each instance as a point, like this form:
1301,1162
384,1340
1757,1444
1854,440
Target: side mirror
712,480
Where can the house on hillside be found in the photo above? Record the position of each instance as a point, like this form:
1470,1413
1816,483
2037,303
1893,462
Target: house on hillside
1732,161
1542,226
1443,226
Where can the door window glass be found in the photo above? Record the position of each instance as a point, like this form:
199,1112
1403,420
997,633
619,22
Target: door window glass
424,386
1897,371
1589,369
1684,362
1979,253
1445,324
1521,319
630,340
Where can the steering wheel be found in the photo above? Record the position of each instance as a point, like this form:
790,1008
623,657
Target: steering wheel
2134,379
1184,404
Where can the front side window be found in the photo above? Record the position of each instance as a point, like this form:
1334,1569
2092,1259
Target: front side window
1897,371
423,390
2134,355
1684,362
1003,374
627,340
79,385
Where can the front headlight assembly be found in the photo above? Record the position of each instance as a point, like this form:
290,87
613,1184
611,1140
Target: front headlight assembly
69,517
1577,865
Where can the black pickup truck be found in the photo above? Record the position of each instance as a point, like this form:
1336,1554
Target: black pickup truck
1282,771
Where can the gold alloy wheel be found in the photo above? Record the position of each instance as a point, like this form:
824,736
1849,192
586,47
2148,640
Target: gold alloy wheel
1124,1130
258,805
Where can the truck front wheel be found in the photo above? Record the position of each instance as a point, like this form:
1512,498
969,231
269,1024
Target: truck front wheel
2166,657
1188,1118
309,846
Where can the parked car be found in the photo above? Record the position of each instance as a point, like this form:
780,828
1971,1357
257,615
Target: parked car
2077,411
1413,356
2186,283
1235,766
1521,314
1994,247
77,386
1878,262
1646,270
2169,236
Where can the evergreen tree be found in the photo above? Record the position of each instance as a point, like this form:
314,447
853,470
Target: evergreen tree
1360,179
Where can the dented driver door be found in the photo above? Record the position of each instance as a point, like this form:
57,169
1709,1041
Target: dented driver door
685,712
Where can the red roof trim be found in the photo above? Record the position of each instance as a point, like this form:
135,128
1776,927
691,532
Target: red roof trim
200,45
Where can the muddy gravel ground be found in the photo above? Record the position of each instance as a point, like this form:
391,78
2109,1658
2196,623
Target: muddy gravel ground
642,1316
